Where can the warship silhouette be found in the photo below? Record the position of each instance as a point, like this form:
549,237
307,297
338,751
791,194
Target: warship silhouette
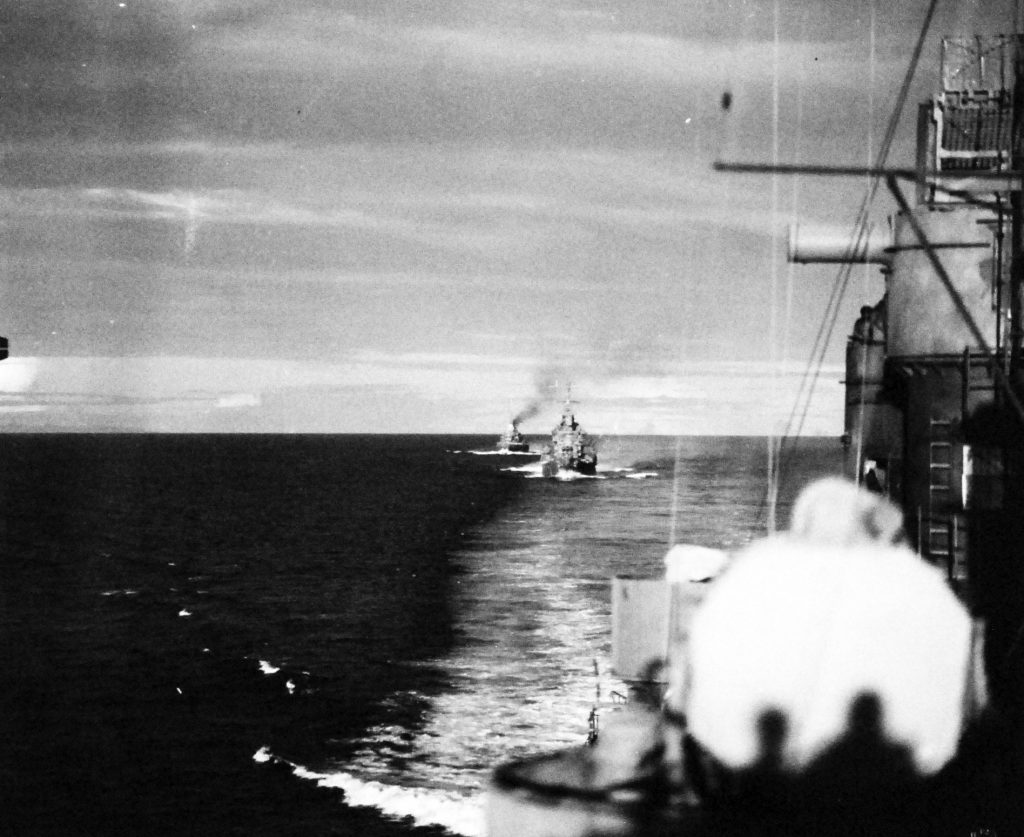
512,441
571,450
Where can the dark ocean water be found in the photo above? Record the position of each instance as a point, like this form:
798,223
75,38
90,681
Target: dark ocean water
316,635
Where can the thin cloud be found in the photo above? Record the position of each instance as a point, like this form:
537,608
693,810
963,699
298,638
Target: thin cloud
337,44
256,209
472,391
238,400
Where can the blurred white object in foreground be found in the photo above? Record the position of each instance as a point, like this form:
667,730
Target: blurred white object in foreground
805,624
687,562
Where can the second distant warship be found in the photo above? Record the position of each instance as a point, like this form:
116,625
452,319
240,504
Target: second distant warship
512,441
571,449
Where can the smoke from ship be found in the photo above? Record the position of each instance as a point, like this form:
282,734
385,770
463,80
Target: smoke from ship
547,390
528,412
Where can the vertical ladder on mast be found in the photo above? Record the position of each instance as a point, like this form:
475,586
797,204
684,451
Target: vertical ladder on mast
944,527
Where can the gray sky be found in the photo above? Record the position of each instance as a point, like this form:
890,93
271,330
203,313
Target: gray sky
404,216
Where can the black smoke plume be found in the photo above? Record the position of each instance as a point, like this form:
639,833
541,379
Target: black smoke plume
549,384
528,412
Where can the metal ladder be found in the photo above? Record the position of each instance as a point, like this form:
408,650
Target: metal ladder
944,542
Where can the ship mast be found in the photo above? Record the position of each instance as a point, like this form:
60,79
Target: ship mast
1016,212
942,417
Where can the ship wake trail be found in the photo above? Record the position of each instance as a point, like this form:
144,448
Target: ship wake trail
424,806
528,672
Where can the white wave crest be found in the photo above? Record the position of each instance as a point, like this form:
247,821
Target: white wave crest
458,814
564,475
532,468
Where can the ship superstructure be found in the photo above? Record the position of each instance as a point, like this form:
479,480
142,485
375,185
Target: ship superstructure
933,413
513,441
571,449
934,420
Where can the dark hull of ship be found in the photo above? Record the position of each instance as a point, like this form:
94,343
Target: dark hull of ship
551,467
515,447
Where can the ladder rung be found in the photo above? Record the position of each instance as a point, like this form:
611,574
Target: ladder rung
936,487
943,465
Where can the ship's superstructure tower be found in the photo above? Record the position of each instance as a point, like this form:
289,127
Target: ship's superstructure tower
933,411
951,350
934,419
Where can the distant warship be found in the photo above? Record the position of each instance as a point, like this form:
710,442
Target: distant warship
512,441
571,449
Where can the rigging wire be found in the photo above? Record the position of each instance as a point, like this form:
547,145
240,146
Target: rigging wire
813,370
794,202
773,443
867,265
726,103
677,472
822,339
674,512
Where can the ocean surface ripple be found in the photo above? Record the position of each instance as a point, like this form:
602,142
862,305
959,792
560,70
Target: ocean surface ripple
322,634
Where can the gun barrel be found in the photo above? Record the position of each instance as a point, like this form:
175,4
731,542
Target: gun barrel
819,244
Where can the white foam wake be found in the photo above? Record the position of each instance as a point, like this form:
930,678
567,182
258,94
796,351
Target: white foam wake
530,468
563,475
458,814
497,452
